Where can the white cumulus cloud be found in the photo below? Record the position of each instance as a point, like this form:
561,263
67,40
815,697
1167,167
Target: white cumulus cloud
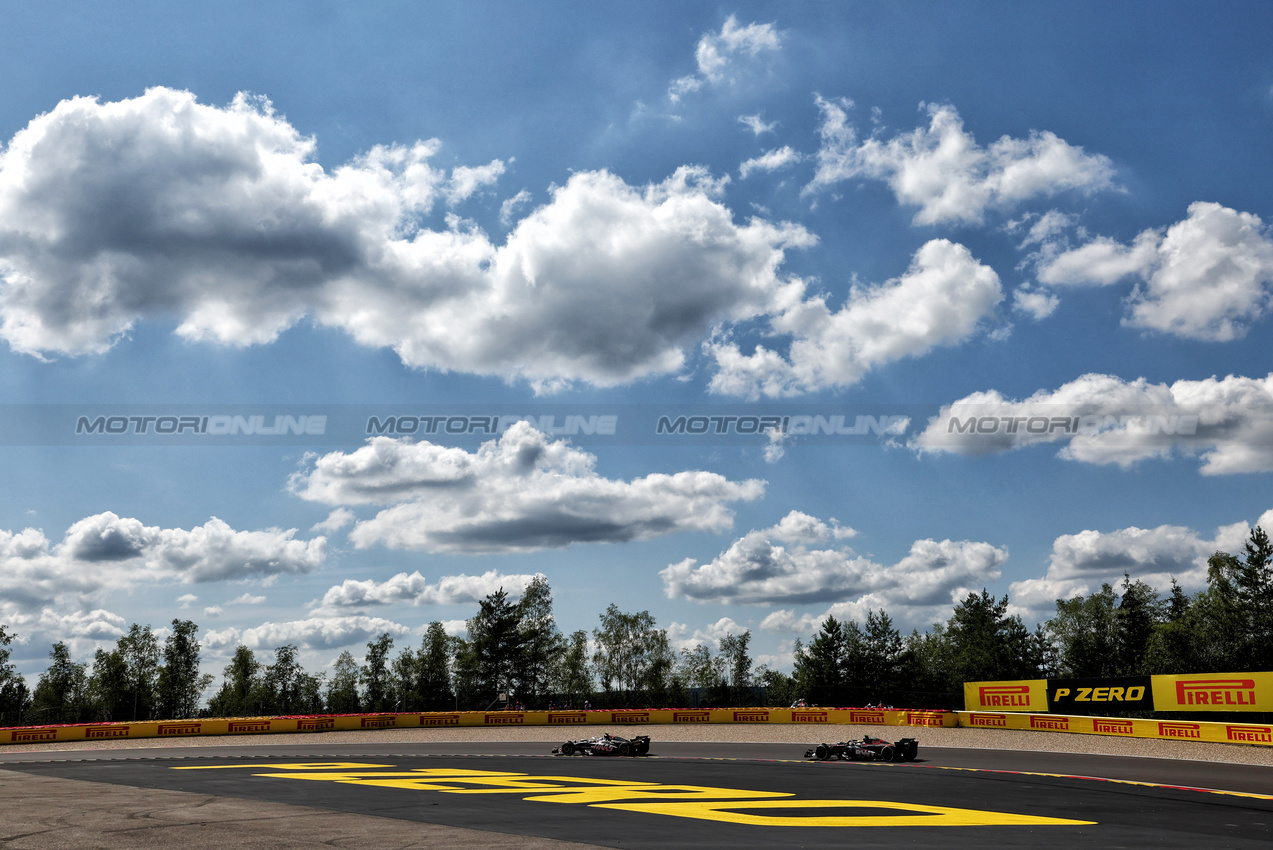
942,170
416,590
520,493
757,570
940,300
159,208
1082,562
1209,277
106,552
315,632
1102,419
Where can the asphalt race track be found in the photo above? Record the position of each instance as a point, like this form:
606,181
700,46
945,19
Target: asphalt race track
695,795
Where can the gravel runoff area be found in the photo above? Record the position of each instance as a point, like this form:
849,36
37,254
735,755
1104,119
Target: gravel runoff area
1058,742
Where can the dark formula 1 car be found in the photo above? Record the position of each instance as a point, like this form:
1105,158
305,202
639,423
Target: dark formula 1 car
606,745
867,749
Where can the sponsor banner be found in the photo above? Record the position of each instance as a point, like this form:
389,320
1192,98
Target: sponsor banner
1106,726
758,715
1051,723
1100,696
436,719
380,721
1168,730
1027,695
348,722
993,721
1245,734
316,724
930,718
1187,731
1214,692
93,732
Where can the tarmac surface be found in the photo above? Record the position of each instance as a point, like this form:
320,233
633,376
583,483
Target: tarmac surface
500,793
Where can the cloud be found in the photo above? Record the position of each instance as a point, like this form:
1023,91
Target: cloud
467,180
508,209
107,552
1102,419
213,611
1081,563
724,55
185,599
1038,305
940,300
680,637
1207,277
942,170
159,208
770,161
416,590
520,493
247,599
81,628
756,124
755,570
336,520
310,633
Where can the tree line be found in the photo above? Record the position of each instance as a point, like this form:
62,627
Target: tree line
514,654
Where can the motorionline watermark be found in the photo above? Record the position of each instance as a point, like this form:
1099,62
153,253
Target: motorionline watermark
311,425
800,424
742,424
1140,424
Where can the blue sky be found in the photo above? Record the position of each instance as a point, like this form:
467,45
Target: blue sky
1018,213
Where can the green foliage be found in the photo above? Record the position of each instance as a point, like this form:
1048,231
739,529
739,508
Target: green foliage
820,668
633,658
342,688
433,672
984,643
376,682
541,642
495,648
180,686
109,693
140,650
61,695
1085,630
573,678
240,688
14,696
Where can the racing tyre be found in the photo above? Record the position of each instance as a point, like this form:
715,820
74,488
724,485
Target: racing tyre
822,753
567,748
625,749
642,748
888,754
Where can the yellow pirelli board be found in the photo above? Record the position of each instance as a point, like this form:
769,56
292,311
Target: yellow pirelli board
1214,692
416,720
1167,730
1025,695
